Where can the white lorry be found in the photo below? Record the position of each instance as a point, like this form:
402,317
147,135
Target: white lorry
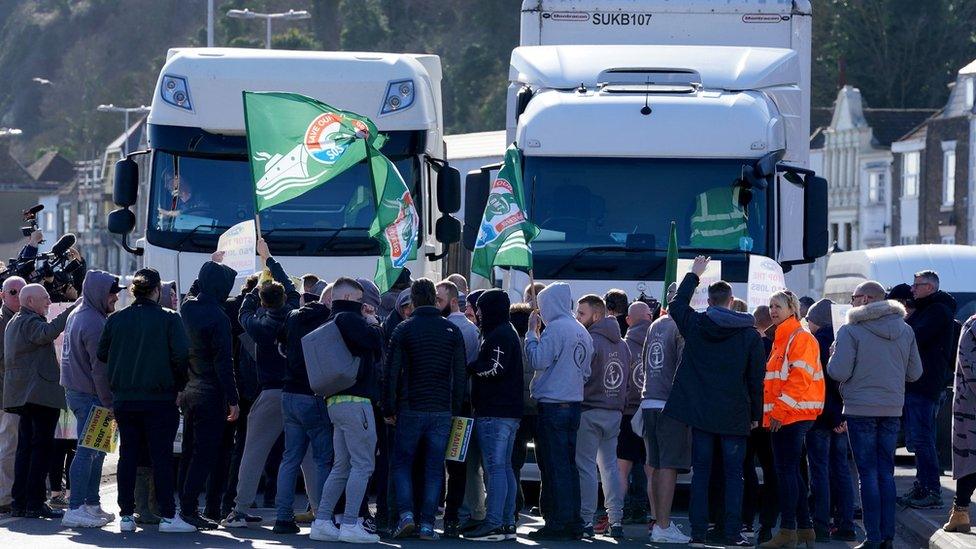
631,114
201,183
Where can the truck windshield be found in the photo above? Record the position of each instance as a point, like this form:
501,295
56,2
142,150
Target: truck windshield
614,214
195,198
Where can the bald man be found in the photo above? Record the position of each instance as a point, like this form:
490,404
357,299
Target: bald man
9,423
867,292
630,445
32,387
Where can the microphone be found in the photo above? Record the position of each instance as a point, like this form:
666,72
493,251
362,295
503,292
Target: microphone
62,245
32,210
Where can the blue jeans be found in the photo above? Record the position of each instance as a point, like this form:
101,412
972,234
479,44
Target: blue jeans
787,455
830,478
920,428
873,440
306,421
432,429
496,437
555,447
733,449
86,468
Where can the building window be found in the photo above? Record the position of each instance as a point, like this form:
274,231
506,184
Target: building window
948,173
969,93
876,187
909,174
849,236
948,239
92,214
49,222
834,233
909,239
65,220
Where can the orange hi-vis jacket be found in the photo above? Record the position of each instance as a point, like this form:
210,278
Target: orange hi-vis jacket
794,387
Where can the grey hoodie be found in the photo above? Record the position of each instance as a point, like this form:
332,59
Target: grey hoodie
561,359
662,353
875,355
635,337
610,368
80,368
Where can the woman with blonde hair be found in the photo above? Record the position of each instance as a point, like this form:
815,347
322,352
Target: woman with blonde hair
793,397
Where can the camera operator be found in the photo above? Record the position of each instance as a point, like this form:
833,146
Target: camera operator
30,250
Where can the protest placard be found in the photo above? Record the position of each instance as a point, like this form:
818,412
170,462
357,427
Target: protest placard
460,439
100,431
712,274
838,315
238,244
52,312
765,279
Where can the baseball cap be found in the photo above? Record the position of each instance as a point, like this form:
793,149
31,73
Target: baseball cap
115,287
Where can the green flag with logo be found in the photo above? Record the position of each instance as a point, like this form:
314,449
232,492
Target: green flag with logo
296,143
505,233
671,264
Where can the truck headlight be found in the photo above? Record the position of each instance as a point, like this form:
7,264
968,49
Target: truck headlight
399,96
175,91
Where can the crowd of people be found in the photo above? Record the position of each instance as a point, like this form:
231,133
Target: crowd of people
620,397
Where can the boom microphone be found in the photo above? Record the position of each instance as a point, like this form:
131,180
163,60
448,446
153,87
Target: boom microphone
63,245
32,211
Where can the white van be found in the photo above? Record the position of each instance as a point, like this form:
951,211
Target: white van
898,264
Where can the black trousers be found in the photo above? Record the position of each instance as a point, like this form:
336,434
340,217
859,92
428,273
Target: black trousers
525,433
764,500
964,490
222,483
62,453
35,443
153,423
204,421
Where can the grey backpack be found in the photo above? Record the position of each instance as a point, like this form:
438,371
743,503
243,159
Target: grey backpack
331,367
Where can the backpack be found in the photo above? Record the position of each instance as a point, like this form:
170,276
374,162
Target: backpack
330,365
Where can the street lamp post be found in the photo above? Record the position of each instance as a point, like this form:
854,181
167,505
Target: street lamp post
290,15
125,110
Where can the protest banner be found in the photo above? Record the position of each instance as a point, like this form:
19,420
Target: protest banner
838,315
100,431
765,279
712,274
460,439
238,244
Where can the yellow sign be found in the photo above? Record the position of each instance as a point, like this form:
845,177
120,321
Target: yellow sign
100,431
460,439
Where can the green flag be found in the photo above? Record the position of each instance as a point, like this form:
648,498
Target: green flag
396,224
296,143
505,233
671,264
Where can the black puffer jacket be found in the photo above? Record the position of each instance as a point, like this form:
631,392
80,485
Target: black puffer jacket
208,331
496,382
425,365
364,340
263,325
934,324
300,323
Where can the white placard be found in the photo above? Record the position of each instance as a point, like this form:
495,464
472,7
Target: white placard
712,274
238,244
52,312
765,279
838,315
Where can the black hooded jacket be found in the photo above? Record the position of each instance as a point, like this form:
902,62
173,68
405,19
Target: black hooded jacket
718,386
208,331
300,323
496,383
934,324
263,326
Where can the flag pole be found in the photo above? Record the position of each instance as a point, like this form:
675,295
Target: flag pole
532,286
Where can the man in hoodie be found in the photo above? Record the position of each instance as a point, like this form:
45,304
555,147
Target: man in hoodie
496,400
604,399
874,356
560,358
718,391
828,446
210,398
935,331
667,441
85,380
262,315
630,445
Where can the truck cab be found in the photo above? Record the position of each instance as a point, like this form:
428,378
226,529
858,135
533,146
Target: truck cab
633,114
201,183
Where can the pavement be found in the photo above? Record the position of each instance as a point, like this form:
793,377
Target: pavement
923,527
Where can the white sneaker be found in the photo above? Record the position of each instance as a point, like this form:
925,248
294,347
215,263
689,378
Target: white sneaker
174,525
356,534
80,518
671,534
97,512
324,530
127,523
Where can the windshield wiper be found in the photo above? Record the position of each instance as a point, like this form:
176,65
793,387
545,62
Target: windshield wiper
597,249
179,245
337,232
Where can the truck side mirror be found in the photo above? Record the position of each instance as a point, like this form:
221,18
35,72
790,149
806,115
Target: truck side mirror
448,189
476,186
447,230
121,221
126,183
815,234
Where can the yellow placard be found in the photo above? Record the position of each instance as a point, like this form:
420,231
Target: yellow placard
460,439
100,431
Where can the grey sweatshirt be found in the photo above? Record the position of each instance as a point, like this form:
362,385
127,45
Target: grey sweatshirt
662,353
635,337
561,358
80,368
875,355
470,334
610,368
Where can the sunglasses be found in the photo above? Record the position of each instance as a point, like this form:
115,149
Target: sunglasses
11,292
